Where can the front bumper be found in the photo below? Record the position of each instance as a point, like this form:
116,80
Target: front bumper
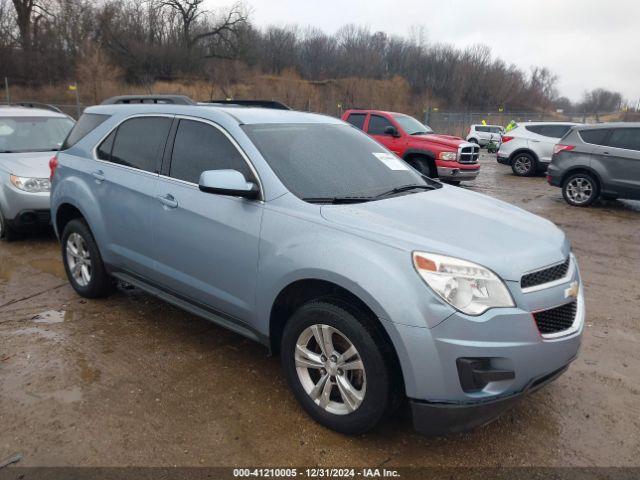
435,419
22,209
453,173
517,357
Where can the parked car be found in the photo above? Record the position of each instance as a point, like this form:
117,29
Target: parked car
438,156
529,146
597,160
483,135
28,136
371,287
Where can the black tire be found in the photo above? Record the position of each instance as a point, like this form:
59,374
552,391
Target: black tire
358,329
580,189
7,233
424,166
473,140
100,284
524,164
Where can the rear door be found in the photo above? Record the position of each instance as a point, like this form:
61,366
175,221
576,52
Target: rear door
206,245
125,178
544,138
376,127
621,161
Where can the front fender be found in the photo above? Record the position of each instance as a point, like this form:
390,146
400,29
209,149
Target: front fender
295,248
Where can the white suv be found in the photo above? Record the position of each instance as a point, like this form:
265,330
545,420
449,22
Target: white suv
528,147
483,134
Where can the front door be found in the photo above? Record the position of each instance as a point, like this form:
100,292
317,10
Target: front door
376,128
206,245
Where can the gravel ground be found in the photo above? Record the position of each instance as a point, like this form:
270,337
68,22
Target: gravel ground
132,381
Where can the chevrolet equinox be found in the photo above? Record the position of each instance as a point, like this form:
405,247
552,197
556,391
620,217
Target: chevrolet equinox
374,283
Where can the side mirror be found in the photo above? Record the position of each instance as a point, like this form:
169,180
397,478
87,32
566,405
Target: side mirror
391,130
227,182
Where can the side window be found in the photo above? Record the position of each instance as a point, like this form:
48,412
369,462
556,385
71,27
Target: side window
86,123
482,129
357,120
377,124
139,141
628,138
539,129
199,147
556,131
104,149
495,130
596,137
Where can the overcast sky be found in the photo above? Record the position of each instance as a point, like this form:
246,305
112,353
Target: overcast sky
587,43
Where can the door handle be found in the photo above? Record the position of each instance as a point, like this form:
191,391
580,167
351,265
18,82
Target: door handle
605,153
98,175
535,141
168,201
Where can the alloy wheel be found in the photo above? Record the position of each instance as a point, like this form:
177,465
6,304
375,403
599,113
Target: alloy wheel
330,369
522,165
79,259
579,190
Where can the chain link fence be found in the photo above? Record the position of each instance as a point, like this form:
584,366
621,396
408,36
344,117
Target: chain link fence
458,123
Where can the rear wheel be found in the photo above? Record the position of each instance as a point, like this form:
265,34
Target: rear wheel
524,165
580,189
336,367
83,262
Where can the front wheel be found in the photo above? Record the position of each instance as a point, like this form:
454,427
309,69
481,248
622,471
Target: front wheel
335,366
83,262
580,189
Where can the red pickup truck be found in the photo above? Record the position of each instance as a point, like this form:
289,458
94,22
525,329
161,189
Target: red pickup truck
451,159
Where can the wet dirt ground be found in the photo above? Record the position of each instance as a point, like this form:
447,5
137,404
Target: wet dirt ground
130,380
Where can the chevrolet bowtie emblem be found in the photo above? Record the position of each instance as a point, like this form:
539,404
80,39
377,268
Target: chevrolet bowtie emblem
572,291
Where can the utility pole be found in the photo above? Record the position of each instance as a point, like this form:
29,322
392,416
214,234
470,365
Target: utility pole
6,89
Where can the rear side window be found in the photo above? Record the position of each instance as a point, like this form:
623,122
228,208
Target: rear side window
628,138
199,147
535,129
377,124
104,150
357,120
87,123
596,137
139,142
482,129
556,131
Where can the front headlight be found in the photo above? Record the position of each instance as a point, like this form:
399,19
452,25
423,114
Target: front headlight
31,185
466,286
448,156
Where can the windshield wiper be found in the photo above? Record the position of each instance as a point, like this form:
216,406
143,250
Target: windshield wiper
405,188
420,133
337,200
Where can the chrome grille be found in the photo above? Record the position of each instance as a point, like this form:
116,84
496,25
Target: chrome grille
468,153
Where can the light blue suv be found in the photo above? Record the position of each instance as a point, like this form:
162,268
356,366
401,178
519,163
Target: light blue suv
373,282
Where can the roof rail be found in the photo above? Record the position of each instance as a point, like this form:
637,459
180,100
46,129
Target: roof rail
154,99
44,106
252,103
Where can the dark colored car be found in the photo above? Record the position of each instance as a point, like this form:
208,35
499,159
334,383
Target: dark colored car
594,161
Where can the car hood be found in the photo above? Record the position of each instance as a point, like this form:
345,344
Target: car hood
34,164
445,140
459,223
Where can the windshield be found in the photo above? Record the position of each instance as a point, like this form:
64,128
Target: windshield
322,161
411,126
32,134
